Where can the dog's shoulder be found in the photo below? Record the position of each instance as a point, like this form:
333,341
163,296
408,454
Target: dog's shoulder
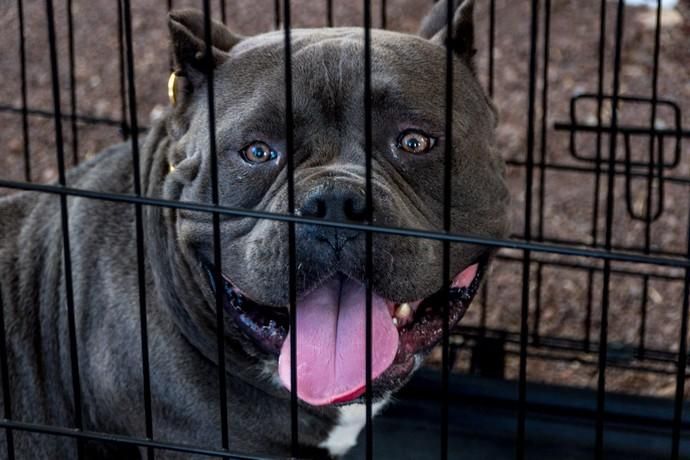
13,209
110,171
28,217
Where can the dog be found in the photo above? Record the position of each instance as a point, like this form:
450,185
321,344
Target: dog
181,274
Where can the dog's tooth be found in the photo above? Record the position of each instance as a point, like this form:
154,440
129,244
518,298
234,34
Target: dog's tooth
395,322
404,311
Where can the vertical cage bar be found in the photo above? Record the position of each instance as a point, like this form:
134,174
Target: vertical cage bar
276,13
681,370
536,323
588,310
292,252
6,394
526,261
652,124
329,13
25,109
597,171
650,176
492,45
369,269
72,84
483,312
217,256
543,144
169,7
542,162
384,14
124,124
141,273
643,317
223,12
610,201
447,203
69,293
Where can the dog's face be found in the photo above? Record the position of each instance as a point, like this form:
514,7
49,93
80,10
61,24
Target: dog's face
408,112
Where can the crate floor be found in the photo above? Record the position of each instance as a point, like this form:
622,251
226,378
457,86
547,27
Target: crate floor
483,419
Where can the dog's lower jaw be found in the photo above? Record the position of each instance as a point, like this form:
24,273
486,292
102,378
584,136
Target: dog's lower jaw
351,420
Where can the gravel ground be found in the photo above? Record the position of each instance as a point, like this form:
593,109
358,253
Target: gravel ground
567,196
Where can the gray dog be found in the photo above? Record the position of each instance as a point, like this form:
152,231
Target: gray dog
408,101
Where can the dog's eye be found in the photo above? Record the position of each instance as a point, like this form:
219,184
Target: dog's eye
258,152
415,142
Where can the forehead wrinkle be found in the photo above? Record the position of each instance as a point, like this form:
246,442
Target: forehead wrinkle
341,59
343,52
323,68
332,84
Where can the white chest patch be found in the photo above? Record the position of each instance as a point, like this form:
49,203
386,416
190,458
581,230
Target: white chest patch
351,420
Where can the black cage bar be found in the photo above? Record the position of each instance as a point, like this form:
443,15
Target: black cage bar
602,152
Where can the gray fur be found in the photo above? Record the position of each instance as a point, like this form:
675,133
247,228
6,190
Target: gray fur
408,88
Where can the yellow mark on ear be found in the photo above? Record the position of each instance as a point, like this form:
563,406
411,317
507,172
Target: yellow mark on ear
172,90
171,168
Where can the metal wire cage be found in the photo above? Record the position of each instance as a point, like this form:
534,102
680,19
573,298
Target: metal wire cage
602,154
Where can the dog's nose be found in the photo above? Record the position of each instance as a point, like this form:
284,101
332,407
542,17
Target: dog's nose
342,205
335,204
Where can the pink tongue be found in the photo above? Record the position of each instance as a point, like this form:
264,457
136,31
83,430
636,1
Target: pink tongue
331,344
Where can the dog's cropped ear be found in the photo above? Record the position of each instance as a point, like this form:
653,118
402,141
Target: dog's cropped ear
434,27
190,64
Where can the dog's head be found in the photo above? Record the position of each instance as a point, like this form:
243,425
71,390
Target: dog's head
408,113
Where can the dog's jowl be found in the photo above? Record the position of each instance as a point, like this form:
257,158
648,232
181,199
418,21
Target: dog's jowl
408,110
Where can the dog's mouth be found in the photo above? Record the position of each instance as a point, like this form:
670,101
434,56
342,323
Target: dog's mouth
331,345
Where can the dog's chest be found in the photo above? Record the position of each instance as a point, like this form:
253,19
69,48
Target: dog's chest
351,420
